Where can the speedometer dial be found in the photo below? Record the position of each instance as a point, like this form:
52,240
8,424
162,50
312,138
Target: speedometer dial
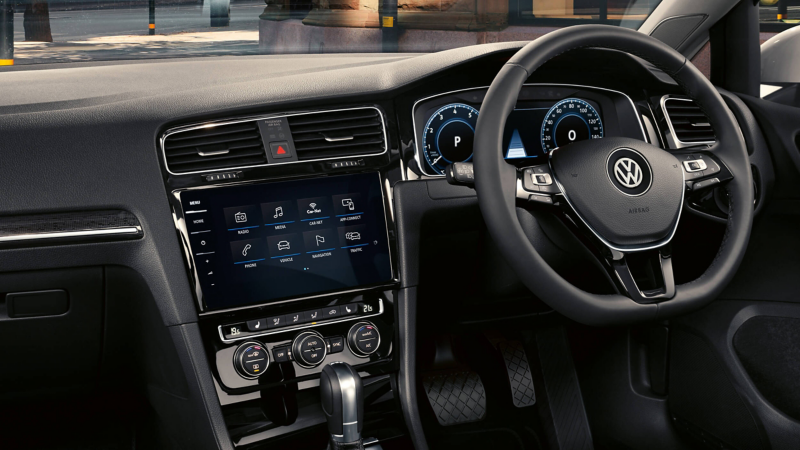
570,120
448,136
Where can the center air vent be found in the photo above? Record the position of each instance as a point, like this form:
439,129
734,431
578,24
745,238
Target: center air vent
688,124
338,134
214,147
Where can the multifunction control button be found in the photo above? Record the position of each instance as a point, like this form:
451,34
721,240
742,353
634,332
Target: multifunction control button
309,349
363,339
250,360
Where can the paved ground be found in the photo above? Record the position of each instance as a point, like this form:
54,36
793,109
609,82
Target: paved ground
123,34
770,13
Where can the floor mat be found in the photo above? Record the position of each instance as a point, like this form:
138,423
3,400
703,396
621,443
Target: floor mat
499,438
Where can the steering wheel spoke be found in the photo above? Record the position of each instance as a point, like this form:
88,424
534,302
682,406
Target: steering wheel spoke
645,277
537,185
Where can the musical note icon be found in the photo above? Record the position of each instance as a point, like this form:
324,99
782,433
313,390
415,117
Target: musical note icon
278,212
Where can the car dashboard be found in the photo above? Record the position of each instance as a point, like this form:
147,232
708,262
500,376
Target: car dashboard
272,217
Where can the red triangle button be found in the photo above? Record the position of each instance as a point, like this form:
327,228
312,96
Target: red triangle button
281,151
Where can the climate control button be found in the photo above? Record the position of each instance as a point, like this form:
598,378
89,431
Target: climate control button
363,339
250,360
309,349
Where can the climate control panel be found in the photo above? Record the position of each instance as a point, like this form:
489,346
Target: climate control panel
308,349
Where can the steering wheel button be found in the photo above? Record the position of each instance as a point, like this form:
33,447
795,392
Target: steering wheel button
543,179
694,165
528,181
541,199
712,167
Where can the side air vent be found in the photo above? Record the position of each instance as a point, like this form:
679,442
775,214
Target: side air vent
688,124
214,147
338,134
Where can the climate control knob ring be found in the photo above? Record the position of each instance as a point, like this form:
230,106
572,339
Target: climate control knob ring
251,360
363,339
309,349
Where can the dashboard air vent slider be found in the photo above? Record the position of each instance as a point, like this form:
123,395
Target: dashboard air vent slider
213,147
338,134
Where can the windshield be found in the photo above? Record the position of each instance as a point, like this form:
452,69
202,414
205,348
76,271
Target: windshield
33,32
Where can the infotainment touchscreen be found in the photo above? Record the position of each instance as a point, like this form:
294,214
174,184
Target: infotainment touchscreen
265,242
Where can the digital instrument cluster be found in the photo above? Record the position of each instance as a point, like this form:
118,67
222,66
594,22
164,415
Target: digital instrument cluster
532,130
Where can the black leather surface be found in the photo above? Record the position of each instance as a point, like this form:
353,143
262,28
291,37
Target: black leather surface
495,180
622,220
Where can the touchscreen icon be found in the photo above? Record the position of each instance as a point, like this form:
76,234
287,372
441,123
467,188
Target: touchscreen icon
348,203
284,245
278,212
352,236
245,249
320,240
240,217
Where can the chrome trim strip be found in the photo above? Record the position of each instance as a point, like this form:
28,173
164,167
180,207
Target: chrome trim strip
414,108
658,244
339,139
132,231
180,225
184,128
679,143
301,327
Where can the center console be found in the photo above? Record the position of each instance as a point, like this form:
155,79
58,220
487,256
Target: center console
292,265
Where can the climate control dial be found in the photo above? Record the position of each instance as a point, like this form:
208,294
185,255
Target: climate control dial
363,339
309,349
251,360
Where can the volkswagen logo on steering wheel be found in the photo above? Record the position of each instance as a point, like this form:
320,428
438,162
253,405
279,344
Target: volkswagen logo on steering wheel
628,172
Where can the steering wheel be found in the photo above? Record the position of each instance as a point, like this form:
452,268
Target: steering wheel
627,194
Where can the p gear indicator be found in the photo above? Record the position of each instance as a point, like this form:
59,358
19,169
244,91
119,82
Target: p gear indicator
449,135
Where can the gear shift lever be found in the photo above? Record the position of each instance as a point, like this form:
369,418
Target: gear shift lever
343,404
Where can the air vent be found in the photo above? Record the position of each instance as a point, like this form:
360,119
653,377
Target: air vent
338,134
215,147
687,122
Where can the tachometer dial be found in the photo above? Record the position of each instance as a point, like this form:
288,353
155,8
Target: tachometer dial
448,135
570,120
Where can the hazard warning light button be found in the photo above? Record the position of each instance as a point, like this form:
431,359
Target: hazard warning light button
280,150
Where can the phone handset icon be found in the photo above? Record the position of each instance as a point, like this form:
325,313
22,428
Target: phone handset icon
245,249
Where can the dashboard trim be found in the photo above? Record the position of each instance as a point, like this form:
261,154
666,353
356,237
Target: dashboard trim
300,327
414,108
122,232
197,126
